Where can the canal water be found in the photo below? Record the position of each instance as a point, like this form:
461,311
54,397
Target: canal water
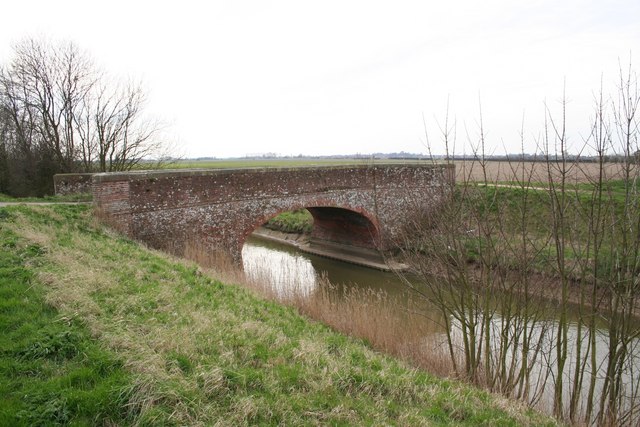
383,297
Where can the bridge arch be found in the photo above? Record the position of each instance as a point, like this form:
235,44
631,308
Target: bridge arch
334,222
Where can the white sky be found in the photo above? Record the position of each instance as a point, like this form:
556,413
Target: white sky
337,77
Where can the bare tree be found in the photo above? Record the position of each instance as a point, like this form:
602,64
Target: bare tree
51,83
122,135
62,107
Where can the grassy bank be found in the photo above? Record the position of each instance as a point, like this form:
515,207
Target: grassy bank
51,371
511,209
160,343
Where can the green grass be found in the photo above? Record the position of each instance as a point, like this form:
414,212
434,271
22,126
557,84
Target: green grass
279,163
299,221
190,349
51,371
501,208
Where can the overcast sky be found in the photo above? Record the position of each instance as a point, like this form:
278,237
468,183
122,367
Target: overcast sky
334,77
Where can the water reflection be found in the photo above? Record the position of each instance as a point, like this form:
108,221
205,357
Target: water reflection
288,273
381,296
286,268
421,326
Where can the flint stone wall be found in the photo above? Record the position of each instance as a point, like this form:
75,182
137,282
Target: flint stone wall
215,210
72,183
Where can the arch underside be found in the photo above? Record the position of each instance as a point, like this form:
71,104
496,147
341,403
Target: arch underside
343,226
333,226
338,233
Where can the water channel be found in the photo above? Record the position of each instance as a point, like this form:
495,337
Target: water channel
293,273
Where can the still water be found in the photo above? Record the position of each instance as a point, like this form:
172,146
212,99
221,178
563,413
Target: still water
291,272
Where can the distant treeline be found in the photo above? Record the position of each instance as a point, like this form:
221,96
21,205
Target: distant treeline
613,158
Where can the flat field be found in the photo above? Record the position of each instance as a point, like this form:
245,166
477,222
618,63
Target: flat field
276,163
504,171
497,170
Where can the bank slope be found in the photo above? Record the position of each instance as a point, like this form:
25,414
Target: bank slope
199,352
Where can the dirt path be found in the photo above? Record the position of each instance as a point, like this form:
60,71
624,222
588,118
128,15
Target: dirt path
3,204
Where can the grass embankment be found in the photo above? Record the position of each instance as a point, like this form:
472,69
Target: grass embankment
504,205
51,371
102,330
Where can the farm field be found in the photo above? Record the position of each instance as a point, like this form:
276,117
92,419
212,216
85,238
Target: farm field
497,170
503,171
275,163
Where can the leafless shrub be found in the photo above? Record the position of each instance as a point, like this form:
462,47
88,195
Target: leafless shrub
555,235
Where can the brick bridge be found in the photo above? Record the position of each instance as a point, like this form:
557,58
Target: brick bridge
187,212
